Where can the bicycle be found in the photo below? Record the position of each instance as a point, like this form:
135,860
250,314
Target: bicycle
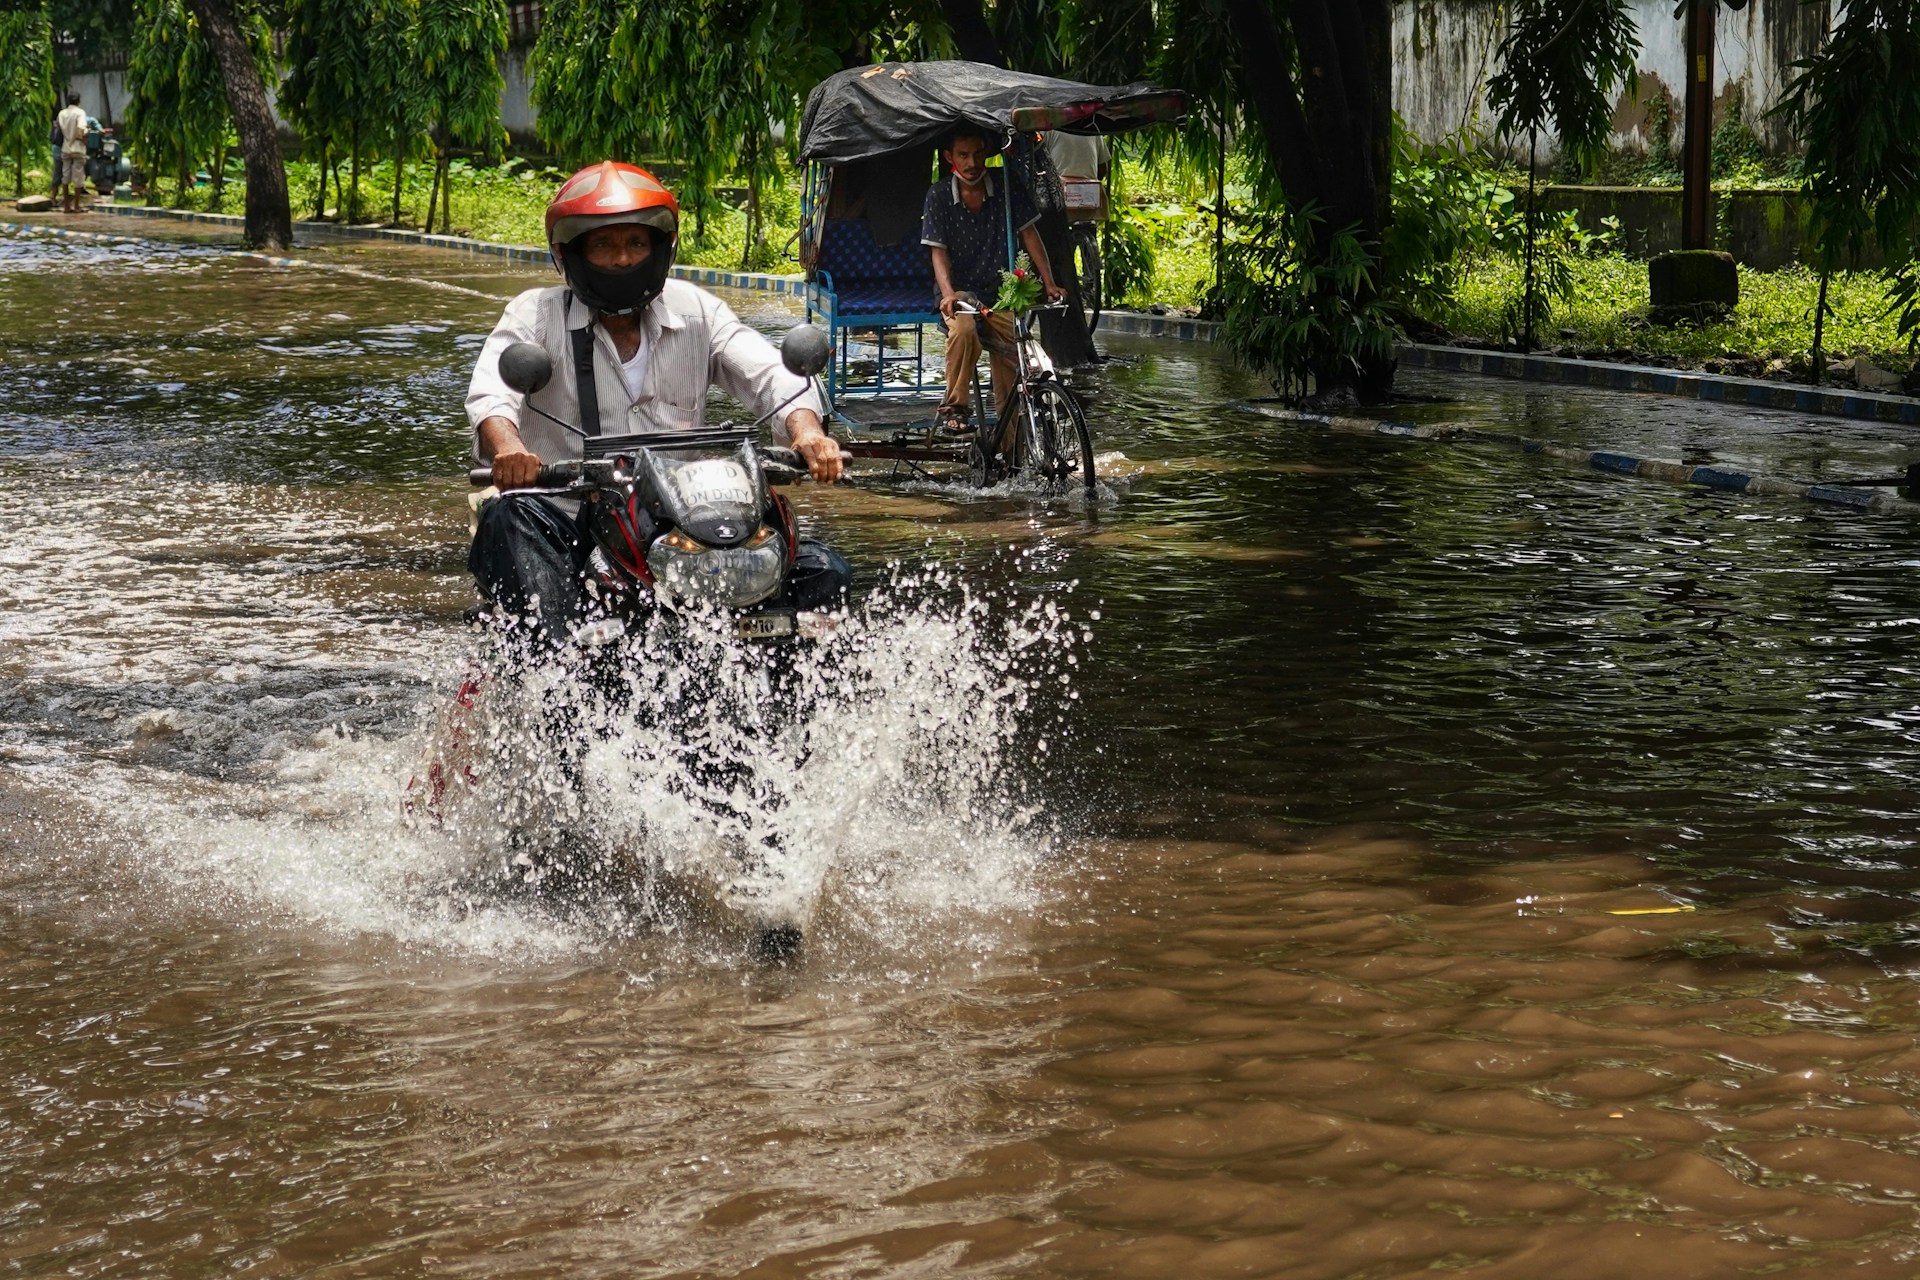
1042,434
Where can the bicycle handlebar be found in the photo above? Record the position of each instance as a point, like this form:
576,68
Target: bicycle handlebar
967,308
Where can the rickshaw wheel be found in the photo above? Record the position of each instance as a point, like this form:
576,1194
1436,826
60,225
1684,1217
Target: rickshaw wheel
1086,255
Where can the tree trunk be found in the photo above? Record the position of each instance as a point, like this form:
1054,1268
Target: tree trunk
972,37
1531,287
219,176
19,172
269,216
433,192
1330,134
399,177
446,195
1820,327
353,179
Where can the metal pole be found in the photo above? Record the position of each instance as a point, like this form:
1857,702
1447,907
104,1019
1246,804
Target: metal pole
1696,228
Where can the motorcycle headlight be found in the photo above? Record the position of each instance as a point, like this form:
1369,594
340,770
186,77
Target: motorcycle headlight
688,571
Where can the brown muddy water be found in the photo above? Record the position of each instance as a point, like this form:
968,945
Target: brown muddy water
1402,858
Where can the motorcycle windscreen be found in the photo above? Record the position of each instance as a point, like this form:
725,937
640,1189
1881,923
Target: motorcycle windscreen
716,500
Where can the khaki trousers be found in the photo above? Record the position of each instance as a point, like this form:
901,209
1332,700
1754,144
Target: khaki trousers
963,352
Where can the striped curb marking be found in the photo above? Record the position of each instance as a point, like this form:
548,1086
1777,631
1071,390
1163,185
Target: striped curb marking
1719,478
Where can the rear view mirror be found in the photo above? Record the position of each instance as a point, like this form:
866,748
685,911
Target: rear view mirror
804,350
526,367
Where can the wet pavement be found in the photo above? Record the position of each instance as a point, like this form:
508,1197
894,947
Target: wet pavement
1328,856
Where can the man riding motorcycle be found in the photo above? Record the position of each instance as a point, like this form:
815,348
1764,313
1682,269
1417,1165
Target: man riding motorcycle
633,352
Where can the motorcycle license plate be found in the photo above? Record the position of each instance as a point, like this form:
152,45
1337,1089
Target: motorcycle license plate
766,626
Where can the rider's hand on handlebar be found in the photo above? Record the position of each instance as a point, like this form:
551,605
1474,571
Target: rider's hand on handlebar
825,461
1055,293
946,305
516,470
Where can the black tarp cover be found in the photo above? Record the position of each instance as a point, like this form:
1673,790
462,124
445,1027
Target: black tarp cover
869,111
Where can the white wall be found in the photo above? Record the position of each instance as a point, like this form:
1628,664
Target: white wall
1443,52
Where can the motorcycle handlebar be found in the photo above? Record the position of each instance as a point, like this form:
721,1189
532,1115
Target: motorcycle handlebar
779,465
553,475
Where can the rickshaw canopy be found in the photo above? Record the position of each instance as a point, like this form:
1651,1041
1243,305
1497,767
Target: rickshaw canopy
867,112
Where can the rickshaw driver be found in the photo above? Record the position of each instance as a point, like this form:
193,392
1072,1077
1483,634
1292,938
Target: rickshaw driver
639,350
964,225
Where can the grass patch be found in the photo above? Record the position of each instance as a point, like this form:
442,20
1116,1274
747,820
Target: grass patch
1607,315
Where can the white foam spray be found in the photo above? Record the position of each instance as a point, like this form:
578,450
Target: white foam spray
884,788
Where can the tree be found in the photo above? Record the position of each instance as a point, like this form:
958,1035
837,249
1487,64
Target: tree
1560,66
712,83
458,44
394,90
269,218
578,90
176,109
27,94
350,82
92,33
1856,105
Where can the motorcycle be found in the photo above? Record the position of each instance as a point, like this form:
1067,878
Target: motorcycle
684,523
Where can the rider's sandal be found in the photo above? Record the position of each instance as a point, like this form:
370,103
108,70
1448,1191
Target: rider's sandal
953,422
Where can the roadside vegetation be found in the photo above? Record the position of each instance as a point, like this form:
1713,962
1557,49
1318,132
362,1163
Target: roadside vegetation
1268,208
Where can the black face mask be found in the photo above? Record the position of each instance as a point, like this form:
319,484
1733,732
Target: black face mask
617,293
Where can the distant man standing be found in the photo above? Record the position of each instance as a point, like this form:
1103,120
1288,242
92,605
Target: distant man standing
73,153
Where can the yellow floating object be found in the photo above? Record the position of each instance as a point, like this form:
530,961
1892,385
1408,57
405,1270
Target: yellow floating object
1649,911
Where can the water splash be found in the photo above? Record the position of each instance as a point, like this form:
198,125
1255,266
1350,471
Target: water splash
890,776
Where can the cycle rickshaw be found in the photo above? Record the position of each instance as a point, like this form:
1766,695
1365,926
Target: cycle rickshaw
870,138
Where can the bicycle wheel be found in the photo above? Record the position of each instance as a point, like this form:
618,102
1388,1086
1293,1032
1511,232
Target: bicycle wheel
1086,265
1064,446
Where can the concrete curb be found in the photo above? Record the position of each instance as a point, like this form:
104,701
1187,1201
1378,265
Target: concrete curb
1721,478
1144,325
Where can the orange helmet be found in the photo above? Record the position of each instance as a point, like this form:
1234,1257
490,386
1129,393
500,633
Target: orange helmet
603,195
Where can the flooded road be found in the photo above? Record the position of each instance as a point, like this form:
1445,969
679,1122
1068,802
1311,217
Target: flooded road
1415,857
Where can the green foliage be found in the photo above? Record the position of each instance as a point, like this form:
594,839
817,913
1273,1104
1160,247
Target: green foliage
709,82
1856,105
1447,208
1126,259
351,78
1294,310
177,117
1734,148
1560,66
457,49
1660,152
27,101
